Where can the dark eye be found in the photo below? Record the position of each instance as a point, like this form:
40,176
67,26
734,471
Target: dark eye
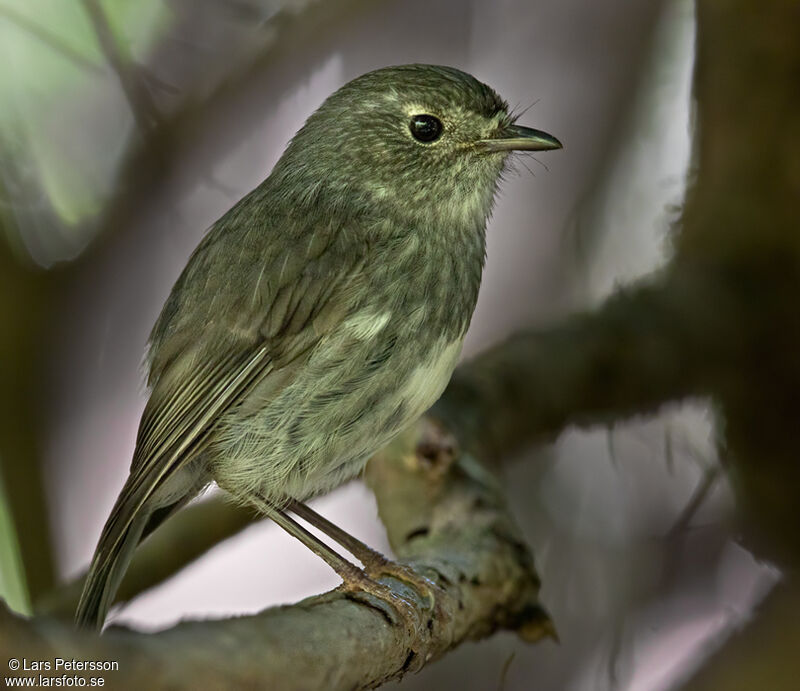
425,128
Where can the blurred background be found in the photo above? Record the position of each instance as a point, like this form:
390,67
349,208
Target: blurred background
127,128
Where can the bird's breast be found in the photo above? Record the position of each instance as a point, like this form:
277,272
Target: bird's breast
428,379
429,278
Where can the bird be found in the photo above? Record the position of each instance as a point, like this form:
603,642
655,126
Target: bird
321,315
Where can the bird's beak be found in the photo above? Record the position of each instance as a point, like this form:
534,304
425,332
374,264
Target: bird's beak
519,138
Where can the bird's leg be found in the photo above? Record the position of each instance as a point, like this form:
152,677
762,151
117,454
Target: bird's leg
345,569
372,559
355,580
375,564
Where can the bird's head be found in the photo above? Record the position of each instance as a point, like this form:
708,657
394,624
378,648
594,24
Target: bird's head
422,140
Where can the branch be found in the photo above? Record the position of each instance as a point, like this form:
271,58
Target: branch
25,296
144,112
447,519
627,357
187,536
740,238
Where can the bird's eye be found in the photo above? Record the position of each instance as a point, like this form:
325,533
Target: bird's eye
425,128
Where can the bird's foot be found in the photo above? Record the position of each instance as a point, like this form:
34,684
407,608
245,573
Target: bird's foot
375,564
378,565
359,586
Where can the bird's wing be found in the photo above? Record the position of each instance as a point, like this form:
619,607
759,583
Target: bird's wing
293,303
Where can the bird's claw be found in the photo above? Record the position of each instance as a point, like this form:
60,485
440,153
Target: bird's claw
370,592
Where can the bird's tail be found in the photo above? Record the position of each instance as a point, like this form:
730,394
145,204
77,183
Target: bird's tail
110,561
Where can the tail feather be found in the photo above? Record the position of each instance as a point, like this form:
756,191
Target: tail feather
109,564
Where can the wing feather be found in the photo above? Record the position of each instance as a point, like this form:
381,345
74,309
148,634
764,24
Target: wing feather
195,385
181,426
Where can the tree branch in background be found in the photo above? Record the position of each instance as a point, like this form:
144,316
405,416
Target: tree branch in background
141,105
25,330
625,358
739,243
187,536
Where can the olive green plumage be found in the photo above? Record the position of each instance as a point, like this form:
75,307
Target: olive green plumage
321,314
